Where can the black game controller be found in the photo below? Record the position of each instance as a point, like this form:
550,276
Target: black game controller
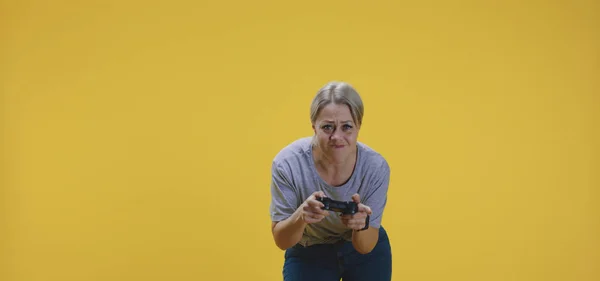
344,207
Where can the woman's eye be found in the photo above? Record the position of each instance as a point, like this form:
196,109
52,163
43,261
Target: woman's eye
347,127
326,127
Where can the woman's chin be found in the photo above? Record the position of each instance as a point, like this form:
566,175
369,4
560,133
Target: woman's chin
337,155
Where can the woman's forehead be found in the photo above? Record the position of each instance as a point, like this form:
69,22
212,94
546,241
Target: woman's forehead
335,112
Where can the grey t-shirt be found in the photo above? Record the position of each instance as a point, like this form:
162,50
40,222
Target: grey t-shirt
295,178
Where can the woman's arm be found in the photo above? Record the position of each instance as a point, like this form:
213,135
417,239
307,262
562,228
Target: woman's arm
375,198
288,232
287,224
364,241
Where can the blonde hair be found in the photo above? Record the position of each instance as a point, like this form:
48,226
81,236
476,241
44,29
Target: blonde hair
340,93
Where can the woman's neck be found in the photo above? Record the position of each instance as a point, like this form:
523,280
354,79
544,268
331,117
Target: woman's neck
335,173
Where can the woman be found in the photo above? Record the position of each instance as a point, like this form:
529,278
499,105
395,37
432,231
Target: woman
321,244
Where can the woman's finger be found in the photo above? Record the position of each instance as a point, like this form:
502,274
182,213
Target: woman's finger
356,224
359,216
356,198
317,210
318,194
364,208
316,207
314,216
313,203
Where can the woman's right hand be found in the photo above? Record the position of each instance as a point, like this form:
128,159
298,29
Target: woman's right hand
310,210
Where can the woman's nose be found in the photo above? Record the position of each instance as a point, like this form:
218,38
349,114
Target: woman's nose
336,134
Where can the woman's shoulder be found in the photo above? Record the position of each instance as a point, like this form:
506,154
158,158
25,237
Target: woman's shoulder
371,158
295,150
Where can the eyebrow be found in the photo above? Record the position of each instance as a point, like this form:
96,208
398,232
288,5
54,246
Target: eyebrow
329,121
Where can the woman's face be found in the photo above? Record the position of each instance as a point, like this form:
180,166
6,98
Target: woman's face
336,132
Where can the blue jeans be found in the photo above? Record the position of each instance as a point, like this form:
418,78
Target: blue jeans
332,262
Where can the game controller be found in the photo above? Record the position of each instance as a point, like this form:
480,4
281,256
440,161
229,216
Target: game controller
344,207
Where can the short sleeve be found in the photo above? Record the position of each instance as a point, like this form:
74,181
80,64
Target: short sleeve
376,195
284,198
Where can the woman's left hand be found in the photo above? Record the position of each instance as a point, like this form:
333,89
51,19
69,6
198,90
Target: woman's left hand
358,220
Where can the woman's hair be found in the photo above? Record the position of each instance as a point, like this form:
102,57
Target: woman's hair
338,93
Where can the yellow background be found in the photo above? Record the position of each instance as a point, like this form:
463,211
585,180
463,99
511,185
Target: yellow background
138,136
